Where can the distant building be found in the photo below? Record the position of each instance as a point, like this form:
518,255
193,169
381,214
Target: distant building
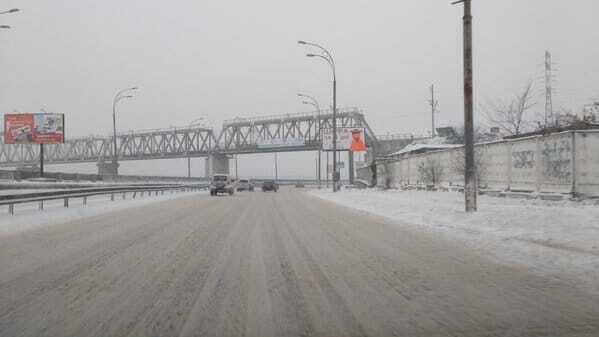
492,135
447,132
590,112
418,148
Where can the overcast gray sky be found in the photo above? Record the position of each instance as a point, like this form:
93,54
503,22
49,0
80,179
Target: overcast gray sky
222,59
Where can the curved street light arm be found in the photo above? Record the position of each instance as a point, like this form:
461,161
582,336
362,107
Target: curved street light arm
120,93
330,62
120,98
14,10
117,99
323,49
309,97
310,103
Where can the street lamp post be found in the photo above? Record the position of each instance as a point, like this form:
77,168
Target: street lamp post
117,98
326,55
276,168
470,188
315,104
201,119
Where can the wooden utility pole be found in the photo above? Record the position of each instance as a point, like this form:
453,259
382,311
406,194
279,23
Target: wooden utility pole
470,188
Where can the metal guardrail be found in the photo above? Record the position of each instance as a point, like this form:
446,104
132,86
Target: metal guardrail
24,174
41,197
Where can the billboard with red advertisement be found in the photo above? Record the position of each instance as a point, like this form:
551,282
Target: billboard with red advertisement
348,139
34,128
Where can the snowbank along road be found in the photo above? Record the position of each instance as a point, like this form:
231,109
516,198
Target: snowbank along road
269,264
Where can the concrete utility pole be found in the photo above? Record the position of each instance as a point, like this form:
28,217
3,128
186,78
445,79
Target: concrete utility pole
326,55
470,188
434,104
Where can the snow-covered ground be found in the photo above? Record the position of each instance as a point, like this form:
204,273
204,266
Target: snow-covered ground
553,238
27,216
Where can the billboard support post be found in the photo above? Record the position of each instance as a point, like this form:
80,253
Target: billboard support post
350,159
327,175
41,160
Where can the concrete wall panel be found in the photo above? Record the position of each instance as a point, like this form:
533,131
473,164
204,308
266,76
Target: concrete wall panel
587,163
556,163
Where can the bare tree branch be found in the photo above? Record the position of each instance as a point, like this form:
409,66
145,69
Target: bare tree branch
511,116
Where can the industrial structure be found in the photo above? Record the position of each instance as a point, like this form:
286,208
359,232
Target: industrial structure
279,133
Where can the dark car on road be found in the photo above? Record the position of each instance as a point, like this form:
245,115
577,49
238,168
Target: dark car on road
245,185
269,185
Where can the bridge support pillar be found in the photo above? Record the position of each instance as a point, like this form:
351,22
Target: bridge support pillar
217,163
108,169
350,166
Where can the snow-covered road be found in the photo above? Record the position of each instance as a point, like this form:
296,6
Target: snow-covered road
557,238
270,264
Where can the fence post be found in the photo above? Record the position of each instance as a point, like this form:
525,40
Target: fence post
124,195
111,196
84,201
11,209
66,202
41,205
134,193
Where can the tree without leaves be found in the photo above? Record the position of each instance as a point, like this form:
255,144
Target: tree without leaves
511,116
430,171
